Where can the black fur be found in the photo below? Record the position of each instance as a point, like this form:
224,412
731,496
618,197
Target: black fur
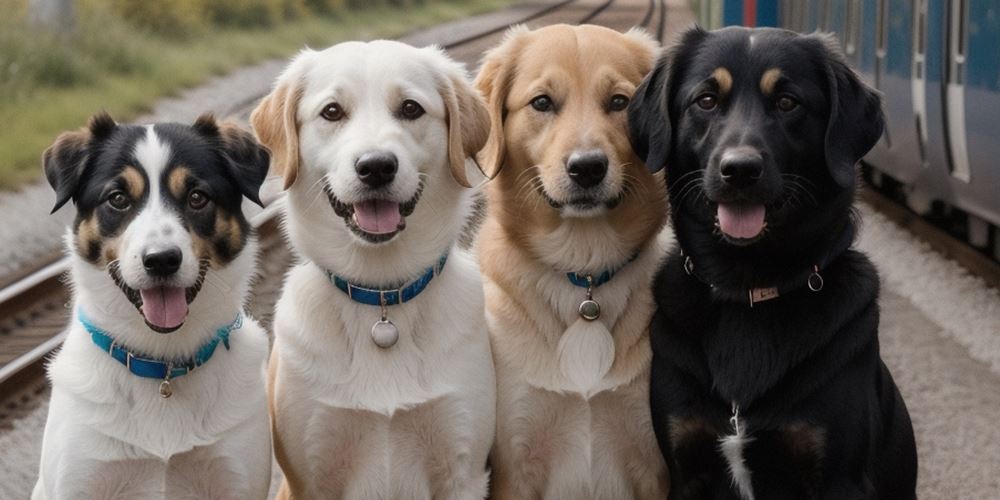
825,417
224,162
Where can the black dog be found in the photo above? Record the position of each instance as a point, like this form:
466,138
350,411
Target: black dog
766,378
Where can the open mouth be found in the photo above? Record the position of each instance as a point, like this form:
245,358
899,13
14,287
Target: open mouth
741,223
163,308
375,220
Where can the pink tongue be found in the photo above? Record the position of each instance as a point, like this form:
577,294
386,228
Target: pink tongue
163,306
741,221
377,216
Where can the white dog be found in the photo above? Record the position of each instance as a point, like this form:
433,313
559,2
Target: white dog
381,383
159,389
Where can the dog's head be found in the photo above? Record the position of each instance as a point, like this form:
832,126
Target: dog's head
558,97
158,206
758,129
380,132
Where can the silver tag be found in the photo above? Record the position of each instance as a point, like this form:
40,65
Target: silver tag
590,310
384,333
165,390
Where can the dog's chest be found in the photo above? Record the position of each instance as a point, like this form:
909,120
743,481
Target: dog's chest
362,454
597,448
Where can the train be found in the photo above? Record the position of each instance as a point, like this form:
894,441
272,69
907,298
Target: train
937,64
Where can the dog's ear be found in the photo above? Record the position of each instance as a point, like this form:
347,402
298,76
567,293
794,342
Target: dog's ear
275,120
494,80
649,121
856,118
468,121
245,159
65,160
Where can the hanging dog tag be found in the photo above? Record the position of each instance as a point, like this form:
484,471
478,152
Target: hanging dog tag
165,390
384,333
589,309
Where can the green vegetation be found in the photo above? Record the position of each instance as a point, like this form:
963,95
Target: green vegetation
117,59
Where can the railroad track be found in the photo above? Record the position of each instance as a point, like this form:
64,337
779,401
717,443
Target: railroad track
35,307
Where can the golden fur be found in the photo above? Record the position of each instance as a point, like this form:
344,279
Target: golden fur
554,441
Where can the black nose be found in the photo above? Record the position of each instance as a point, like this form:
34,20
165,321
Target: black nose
377,168
162,263
741,168
587,169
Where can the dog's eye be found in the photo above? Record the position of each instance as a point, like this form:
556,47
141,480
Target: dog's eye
707,102
411,110
787,104
197,200
332,112
618,102
542,103
119,201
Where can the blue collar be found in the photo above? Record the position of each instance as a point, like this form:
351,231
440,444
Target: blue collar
585,280
388,296
153,368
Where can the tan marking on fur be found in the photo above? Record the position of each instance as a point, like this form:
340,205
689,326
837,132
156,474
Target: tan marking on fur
275,121
87,233
724,79
769,80
111,250
527,148
177,181
686,431
135,183
468,124
804,440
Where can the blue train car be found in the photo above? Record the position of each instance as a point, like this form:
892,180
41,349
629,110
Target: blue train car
937,63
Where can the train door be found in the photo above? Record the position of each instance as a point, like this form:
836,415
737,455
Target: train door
918,77
898,154
972,112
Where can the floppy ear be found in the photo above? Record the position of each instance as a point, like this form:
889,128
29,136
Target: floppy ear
856,118
246,160
65,160
493,81
275,121
649,120
468,122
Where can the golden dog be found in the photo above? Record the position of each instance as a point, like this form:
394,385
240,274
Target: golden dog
568,252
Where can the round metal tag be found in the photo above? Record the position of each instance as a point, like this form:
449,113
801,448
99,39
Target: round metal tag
165,390
384,333
815,282
590,310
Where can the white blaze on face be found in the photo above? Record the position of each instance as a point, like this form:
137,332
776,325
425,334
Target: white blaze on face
157,227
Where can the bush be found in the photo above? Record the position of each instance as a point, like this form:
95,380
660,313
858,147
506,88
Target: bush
246,13
172,18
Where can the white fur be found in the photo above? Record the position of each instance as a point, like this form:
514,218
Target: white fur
352,420
109,434
732,447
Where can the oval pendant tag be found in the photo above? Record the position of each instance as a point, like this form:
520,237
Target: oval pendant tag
384,333
165,390
590,310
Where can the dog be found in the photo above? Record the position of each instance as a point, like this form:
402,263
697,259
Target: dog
568,250
767,380
159,388
381,381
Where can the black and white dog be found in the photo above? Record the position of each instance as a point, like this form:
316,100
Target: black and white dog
767,381
158,390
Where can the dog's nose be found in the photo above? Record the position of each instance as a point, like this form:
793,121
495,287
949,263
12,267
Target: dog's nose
741,167
587,169
377,168
162,263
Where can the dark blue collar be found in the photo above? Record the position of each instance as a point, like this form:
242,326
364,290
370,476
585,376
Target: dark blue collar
154,368
585,280
388,296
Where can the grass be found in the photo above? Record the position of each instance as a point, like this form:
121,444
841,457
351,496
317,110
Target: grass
49,83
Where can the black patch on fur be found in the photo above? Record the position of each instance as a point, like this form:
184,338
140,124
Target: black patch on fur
805,357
